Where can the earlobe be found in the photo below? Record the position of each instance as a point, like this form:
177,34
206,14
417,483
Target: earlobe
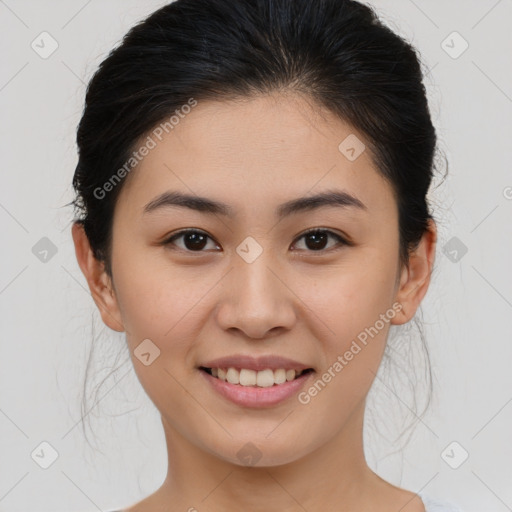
99,282
415,278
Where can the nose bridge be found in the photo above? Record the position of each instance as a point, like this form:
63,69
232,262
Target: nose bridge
256,299
257,278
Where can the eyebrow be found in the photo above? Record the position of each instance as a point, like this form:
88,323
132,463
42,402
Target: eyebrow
336,198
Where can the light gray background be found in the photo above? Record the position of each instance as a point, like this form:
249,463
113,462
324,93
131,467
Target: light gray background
47,314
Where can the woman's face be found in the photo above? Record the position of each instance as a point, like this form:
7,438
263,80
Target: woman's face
251,284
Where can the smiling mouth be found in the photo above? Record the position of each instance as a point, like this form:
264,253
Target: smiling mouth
252,378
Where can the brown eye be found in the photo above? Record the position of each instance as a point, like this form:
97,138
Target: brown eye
317,239
193,240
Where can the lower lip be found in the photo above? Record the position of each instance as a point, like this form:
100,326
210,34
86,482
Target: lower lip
257,397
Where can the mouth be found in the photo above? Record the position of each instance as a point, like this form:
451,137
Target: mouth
266,378
257,382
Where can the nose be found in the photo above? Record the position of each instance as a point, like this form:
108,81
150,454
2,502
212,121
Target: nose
256,299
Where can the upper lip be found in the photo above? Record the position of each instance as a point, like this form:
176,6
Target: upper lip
255,363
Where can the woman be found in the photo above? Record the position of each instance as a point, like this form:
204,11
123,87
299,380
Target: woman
252,196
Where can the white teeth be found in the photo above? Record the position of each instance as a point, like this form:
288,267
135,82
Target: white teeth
247,377
279,376
232,376
290,375
263,379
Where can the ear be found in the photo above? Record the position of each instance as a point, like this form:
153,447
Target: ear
415,277
99,282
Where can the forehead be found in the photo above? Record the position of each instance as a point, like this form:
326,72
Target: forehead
254,151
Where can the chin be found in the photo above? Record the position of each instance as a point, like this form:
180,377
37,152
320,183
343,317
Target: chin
259,452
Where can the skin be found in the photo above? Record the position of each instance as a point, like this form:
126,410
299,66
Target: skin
255,154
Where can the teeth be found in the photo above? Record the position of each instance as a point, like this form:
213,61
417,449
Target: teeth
279,376
232,376
290,375
246,377
265,378
262,379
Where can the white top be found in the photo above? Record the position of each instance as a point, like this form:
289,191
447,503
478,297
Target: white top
433,505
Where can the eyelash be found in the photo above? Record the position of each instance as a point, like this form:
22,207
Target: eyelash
340,239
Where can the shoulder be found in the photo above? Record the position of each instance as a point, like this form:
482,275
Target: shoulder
434,505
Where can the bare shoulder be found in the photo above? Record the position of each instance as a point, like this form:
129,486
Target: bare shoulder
392,498
409,502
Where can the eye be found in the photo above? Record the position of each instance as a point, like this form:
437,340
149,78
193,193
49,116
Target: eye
193,240
316,239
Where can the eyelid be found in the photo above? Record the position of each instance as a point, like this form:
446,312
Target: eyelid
344,238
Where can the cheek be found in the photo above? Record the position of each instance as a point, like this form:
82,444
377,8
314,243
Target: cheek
351,296
162,304
142,301
355,303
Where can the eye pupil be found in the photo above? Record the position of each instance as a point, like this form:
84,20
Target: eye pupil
198,240
318,237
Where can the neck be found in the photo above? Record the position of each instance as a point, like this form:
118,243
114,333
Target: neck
336,470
